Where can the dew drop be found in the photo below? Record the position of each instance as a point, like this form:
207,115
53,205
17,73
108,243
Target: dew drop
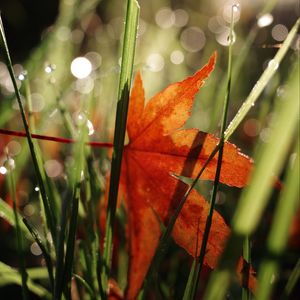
10,164
82,177
50,68
90,127
36,188
236,7
3,170
23,75
265,20
35,249
273,64
29,210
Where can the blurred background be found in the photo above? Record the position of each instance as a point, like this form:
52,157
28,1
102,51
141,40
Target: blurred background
66,54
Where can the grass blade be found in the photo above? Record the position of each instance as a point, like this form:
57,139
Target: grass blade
270,159
85,285
9,275
293,279
38,168
129,41
6,212
208,223
238,64
12,189
286,208
262,82
246,294
44,250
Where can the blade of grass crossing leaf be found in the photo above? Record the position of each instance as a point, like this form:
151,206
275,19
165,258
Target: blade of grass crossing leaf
286,208
190,286
208,223
20,247
44,250
262,82
246,294
270,159
129,41
38,168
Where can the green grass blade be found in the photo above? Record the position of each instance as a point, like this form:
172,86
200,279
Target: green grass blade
246,294
208,223
6,212
262,82
129,41
79,155
190,286
38,168
269,161
238,64
9,275
20,247
286,208
85,285
293,279
44,250
60,248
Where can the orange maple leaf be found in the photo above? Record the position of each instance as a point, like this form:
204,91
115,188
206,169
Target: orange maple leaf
158,148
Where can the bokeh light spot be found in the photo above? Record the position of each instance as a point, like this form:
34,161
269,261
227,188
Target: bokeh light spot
81,67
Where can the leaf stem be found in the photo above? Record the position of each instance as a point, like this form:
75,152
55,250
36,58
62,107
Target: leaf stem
54,138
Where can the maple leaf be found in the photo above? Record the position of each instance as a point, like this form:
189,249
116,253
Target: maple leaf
157,148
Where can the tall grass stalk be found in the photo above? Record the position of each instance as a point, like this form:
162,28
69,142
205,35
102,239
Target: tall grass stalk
262,82
292,281
208,223
9,275
277,239
269,159
239,63
246,293
7,214
38,168
20,246
44,250
129,41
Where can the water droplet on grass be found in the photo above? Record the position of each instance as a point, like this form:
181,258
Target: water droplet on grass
23,75
3,170
50,68
265,20
236,7
273,64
